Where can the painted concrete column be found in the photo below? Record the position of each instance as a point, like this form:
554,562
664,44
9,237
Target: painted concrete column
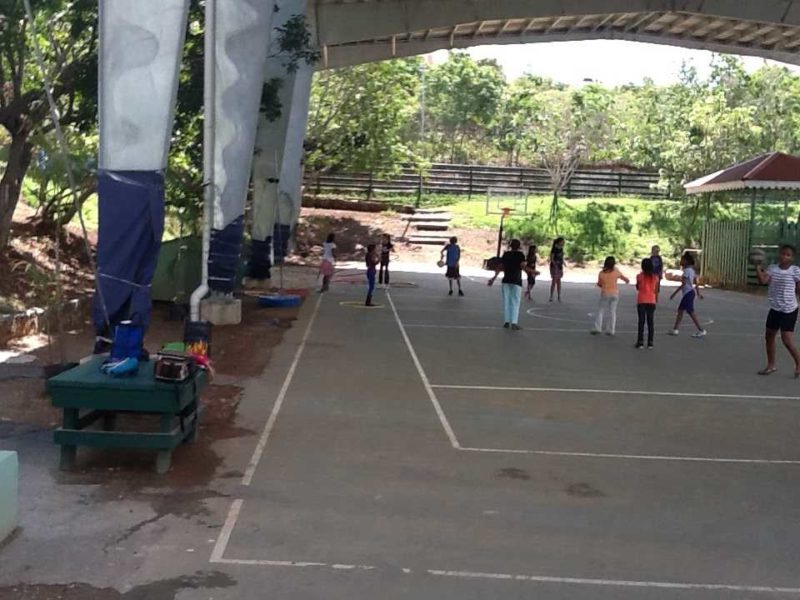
267,162
291,178
269,151
141,46
242,32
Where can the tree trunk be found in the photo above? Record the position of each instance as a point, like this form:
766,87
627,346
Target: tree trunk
19,158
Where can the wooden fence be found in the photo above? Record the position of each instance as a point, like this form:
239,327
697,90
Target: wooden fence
475,180
726,245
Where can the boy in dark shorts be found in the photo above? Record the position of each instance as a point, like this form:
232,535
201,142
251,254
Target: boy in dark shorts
783,280
530,262
387,247
371,261
451,254
658,267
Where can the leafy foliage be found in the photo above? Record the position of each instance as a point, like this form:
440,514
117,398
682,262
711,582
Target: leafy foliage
358,117
463,98
66,34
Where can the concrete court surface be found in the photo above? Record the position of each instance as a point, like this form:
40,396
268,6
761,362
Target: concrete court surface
418,450
389,469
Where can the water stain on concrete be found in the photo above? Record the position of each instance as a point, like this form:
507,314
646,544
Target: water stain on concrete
165,589
583,490
513,473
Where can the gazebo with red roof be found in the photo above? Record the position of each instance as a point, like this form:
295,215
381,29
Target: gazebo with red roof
772,171
726,244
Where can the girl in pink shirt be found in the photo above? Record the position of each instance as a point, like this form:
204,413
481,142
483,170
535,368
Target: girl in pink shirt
609,297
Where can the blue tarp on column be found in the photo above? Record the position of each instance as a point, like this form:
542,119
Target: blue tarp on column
260,264
223,256
280,236
131,215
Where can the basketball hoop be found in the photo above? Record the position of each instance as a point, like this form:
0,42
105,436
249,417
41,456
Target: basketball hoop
506,211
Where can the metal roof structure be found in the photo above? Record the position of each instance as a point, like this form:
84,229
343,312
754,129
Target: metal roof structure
773,171
356,31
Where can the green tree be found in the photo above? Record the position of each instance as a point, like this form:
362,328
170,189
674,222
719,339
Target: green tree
358,116
463,98
67,36
572,125
520,112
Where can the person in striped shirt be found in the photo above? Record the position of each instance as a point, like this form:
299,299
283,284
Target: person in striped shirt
783,280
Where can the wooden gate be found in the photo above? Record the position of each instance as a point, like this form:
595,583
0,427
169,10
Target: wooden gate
726,245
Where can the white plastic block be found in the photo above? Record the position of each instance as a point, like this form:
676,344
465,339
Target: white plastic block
221,311
9,493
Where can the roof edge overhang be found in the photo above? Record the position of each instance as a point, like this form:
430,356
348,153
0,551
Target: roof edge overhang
731,186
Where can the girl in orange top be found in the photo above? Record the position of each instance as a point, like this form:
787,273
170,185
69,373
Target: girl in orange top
646,284
609,297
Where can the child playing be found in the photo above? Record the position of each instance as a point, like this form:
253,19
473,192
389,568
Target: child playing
556,266
530,262
784,284
386,249
328,261
646,284
452,258
512,264
371,260
690,288
609,297
658,267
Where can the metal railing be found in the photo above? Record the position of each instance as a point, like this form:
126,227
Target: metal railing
475,180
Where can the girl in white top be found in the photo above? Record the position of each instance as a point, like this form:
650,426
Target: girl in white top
784,283
328,261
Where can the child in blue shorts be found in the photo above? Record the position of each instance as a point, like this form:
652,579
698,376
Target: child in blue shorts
691,289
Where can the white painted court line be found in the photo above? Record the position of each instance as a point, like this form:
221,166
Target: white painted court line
294,563
262,442
425,382
227,529
665,458
536,313
607,455
617,582
536,579
236,507
614,392
583,330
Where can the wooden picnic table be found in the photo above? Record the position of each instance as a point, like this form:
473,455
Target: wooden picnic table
87,396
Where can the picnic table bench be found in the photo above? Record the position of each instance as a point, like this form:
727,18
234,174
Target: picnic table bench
87,395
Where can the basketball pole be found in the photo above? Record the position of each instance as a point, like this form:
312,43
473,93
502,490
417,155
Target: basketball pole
506,211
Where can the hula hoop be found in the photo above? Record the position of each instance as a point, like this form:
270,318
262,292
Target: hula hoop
358,304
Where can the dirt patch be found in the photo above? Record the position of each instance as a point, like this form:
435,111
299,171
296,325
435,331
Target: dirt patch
165,589
245,350
238,353
25,407
28,264
354,230
513,473
343,203
128,473
583,490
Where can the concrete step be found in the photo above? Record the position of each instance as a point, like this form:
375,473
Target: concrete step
446,217
431,211
431,225
429,239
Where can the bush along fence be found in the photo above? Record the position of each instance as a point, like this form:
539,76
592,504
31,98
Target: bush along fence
476,180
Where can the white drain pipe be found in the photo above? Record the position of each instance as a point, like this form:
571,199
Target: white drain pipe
209,185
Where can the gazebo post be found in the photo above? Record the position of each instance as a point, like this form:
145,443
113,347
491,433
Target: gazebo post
704,235
752,219
785,224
